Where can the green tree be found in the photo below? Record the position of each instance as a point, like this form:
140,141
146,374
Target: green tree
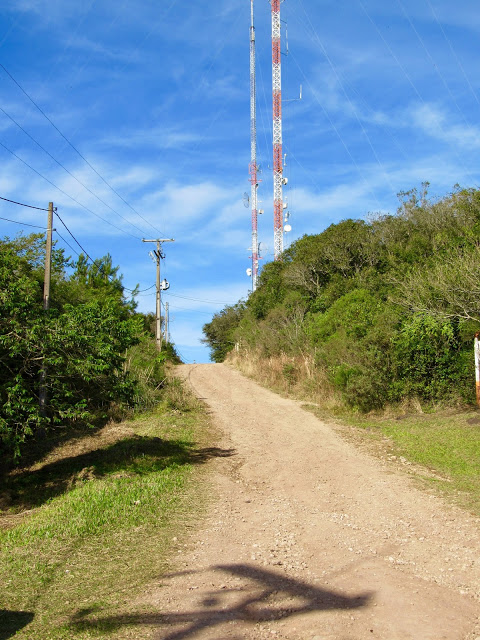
219,332
80,342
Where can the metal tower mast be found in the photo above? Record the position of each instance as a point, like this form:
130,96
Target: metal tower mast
253,169
277,131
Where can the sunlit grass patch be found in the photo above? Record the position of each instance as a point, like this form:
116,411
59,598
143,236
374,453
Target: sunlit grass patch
445,443
102,524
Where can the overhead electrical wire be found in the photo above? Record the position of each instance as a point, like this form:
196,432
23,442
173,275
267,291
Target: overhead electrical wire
25,224
176,295
148,289
21,204
105,31
435,65
206,313
66,194
412,84
228,34
352,106
67,243
69,172
447,40
71,234
86,254
337,132
75,149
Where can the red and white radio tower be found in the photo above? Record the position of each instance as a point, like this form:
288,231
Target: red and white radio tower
277,131
253,169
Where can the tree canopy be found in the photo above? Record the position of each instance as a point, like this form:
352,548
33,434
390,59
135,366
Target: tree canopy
386,307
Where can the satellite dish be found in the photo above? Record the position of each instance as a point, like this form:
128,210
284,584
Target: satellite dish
164,285
246,200
287,228
249,272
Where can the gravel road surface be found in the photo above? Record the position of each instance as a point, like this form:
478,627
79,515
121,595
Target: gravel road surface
310,538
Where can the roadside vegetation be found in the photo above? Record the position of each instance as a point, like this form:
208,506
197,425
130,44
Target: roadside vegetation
85,529
371,320
98,486
91,353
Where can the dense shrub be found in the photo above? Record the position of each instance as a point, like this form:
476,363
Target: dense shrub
74,352
386,308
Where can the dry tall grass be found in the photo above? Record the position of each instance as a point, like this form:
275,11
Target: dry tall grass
294,376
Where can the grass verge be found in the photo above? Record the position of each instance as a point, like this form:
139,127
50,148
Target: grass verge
441,448
84,530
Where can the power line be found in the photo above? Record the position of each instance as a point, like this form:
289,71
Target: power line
71,234
74,148
337,132
66,194
61,237
91,260
352,106
67,243
175,307
142,290
21,204
453,52
434,64
36,226
69,172
412,84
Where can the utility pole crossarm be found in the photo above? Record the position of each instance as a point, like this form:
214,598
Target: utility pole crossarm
158,317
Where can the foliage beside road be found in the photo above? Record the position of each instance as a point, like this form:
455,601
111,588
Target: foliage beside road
86,528
75,350
370,313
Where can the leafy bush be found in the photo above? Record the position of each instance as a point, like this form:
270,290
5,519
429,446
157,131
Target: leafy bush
74,352
429,359
387,307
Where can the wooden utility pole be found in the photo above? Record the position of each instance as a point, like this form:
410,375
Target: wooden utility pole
158,317
42,392
48,259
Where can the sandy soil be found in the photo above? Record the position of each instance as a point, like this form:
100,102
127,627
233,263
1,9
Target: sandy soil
311,539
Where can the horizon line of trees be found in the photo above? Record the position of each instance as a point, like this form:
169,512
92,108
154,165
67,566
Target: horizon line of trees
385,308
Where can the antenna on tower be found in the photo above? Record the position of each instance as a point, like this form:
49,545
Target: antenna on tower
253,168
277,131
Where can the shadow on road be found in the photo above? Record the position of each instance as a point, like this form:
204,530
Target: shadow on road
260,596
13,621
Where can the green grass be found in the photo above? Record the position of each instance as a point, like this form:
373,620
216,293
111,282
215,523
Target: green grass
447,444
102,522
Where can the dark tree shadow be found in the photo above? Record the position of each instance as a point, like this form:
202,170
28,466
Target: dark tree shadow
135,455
261,602
13,621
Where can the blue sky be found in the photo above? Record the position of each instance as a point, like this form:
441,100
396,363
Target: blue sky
155,96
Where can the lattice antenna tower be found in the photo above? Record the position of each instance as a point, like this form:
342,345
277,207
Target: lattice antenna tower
253,168
277,131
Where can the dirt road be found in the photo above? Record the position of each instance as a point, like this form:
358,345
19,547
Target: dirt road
311,539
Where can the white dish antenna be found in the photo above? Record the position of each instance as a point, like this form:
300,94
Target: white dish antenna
287,228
